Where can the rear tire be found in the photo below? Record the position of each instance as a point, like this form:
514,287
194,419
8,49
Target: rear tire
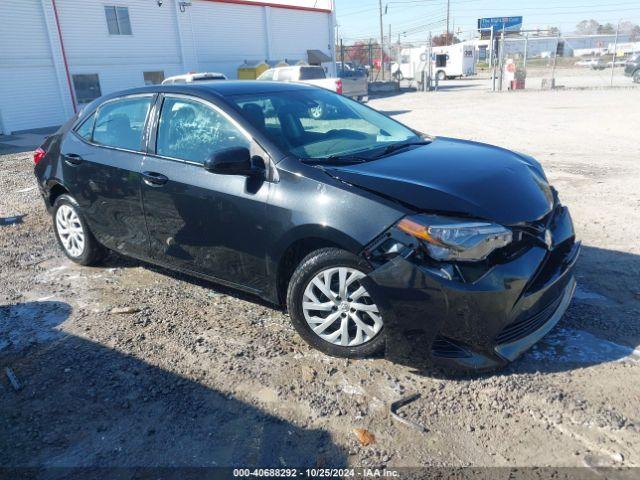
636,76
73,234
355,329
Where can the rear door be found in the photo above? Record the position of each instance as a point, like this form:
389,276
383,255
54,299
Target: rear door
101,162
200,221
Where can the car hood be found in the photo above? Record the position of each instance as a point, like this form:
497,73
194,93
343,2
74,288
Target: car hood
458,177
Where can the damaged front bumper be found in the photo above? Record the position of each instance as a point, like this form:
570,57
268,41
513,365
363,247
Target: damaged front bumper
480,324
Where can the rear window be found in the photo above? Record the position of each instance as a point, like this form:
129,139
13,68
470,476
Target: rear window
312,73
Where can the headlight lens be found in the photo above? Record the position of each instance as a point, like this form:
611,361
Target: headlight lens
450,239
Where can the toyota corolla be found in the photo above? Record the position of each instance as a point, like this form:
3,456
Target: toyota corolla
374,236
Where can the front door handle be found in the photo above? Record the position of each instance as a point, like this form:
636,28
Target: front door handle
154,179
72,159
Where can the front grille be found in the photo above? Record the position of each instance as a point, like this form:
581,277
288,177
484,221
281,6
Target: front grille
445,348
527,325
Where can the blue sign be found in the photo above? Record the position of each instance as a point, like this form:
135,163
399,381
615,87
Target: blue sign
510,24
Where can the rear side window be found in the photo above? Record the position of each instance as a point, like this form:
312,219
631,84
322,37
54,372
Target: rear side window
312,73
121,123
86,128
190,130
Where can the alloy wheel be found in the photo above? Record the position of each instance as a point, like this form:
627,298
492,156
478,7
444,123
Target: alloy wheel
70,230
317,112
339,309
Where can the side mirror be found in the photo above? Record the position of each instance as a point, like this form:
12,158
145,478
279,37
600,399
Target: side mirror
231,161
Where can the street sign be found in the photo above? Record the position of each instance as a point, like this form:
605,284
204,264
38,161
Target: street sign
510,24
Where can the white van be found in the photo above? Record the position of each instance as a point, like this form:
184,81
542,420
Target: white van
452,61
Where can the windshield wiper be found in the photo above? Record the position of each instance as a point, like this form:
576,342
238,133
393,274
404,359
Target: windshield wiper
400,146
336,160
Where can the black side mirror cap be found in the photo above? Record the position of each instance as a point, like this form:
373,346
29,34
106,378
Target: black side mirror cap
231,161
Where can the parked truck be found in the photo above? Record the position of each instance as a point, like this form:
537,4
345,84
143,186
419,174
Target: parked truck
353,84
452,61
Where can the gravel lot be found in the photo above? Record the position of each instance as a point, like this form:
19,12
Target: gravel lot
197,375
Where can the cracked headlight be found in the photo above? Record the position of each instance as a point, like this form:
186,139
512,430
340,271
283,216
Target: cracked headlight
451,239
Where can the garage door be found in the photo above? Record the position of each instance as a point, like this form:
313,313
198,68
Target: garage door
29,93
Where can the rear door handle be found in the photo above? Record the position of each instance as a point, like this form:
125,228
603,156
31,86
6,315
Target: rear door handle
72,159
154,179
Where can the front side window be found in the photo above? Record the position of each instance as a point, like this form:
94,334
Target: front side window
191,130
318,124
121,123
117,20
87,87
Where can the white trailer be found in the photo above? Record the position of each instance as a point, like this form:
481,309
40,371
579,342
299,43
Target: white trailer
452,61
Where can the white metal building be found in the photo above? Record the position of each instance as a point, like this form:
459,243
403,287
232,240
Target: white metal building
58,54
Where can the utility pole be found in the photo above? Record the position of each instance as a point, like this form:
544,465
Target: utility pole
555,63
501,58
526,53
492,61
381,41
615,52
448,12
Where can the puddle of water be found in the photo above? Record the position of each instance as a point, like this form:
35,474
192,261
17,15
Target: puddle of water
24,324
568,345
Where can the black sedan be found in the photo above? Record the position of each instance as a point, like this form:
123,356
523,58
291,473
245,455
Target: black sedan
374,236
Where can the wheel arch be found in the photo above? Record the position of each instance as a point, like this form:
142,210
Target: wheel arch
55,189
300,244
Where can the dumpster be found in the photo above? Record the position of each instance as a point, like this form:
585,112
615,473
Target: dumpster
251,71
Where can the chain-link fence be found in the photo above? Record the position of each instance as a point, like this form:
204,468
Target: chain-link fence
528,60
563,61
369,58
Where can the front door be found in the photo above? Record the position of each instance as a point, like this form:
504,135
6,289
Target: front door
200,221
101,164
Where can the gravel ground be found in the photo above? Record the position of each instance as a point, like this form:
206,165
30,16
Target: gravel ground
197,375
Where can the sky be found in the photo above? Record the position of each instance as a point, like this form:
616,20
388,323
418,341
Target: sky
359,19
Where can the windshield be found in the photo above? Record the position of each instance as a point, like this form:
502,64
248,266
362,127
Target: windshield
321,125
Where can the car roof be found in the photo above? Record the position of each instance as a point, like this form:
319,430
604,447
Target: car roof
219,89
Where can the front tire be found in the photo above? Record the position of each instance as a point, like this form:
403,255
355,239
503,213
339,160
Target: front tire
72,233
441,75
636,76
331,309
